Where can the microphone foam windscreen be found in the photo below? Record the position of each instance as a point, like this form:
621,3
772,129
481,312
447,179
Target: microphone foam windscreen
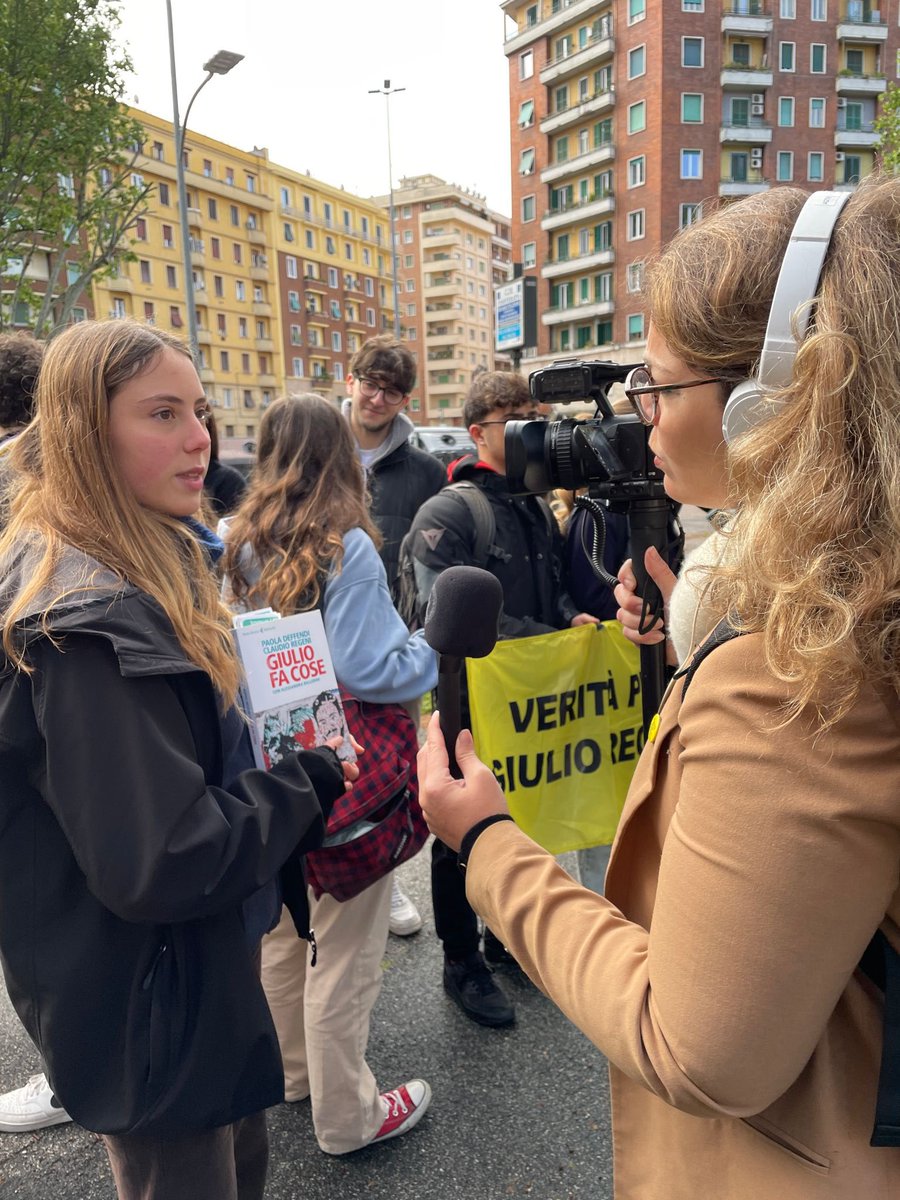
463,614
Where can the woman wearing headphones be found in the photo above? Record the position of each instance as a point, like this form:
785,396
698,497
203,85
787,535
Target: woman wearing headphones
758,855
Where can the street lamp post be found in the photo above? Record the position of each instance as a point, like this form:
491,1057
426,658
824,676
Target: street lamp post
387,91
220,64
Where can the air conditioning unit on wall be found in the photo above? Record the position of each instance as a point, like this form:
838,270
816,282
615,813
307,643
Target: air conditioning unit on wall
757,110
757,98
756,158
839,157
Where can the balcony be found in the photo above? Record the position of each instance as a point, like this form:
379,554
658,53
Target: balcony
862,134
204,337
599,102
207,375
578,312
447,288
746,17
446,388
194,218
255,236
441,356
264,344
261,308
858,25
259,267
860,85
581,60
754,133
198,252
584,162
555,21
119,283
737,78
577,263
754,182
442,339
433,239
585,210
266,379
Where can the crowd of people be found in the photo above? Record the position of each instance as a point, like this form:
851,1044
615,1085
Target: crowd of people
156,917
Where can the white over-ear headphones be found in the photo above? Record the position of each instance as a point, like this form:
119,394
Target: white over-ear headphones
749,403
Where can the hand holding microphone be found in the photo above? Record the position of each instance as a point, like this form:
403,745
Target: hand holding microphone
461,621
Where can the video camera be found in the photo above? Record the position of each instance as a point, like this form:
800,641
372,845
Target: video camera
609,455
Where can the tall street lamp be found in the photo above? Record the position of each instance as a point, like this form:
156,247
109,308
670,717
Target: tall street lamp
387,91
219,64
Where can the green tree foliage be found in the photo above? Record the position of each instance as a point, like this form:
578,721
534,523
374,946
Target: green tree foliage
887,124
67,149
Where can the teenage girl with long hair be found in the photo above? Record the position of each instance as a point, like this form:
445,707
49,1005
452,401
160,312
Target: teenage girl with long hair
303,538
137,855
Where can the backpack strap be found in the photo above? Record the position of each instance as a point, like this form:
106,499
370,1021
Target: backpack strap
482,515
881,963
723,632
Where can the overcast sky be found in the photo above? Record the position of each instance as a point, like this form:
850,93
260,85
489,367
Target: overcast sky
302,88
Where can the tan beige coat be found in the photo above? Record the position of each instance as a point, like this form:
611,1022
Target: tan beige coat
750,870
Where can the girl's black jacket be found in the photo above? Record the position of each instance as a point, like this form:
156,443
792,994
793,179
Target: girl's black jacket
124,865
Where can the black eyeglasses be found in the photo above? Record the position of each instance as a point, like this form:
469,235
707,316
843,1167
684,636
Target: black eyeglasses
644,394
370,389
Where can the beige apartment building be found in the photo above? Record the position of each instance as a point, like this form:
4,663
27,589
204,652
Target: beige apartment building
628,117
290,275
451,249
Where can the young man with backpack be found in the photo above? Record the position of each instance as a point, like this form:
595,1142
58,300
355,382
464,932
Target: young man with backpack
476,522
401,478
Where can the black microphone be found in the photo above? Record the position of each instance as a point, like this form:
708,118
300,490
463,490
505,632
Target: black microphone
462,620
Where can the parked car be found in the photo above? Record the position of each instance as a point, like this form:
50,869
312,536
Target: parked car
445,442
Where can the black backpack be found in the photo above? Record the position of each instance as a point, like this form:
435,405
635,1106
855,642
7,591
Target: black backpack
880,962
472,498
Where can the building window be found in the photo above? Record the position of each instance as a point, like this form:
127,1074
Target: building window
140,229
174,317
332,277
817,58
526,114
215,246
528,208
171,279
290,266
784,171
818,10
815,167
636,62
526,162
562,148
526,65
236,252
212,208
637,171
636,327
786,56
635,225
692,164
637,116
329,245
785,110
817,112
692,51
688,214
692,108
529,254
692,6
634,276
370,316
788,10
294,301
163,189
637,10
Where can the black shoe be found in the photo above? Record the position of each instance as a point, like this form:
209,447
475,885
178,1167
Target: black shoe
470,983
496,953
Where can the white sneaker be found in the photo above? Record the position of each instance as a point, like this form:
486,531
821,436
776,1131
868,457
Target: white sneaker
405,917
31,1107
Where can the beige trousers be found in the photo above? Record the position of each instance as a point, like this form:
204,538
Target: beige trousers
322,1013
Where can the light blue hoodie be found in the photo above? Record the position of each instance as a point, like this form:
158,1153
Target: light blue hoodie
375,656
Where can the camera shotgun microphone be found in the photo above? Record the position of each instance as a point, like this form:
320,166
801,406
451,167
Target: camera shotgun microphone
462,620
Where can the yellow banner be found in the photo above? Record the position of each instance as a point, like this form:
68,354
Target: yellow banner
558,720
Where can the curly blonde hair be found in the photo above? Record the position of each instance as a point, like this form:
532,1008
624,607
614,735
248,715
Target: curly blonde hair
66,490
307,490
814,557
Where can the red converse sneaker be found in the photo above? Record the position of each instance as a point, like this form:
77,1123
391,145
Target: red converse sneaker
403,1107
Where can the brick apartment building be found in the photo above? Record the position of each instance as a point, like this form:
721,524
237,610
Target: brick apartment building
451,250
628,116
